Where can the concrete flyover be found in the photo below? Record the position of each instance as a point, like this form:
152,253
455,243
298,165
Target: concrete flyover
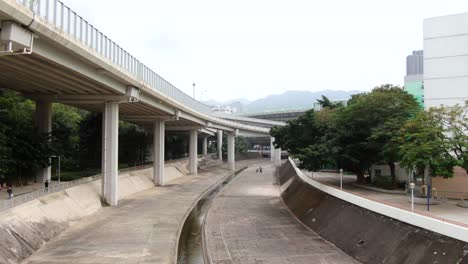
51,54
248,223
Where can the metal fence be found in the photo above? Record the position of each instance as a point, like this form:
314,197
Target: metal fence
62,18
27,197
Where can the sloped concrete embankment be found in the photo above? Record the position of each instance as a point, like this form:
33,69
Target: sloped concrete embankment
25,228
363,234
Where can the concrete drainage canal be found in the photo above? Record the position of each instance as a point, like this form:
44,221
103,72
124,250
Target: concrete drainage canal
190,249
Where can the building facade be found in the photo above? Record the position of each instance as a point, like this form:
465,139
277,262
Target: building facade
446,60
414,79
446,80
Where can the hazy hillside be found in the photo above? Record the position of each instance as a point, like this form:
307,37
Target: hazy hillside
287,100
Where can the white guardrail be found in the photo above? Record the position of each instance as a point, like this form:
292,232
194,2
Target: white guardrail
53,188
436,224
69,22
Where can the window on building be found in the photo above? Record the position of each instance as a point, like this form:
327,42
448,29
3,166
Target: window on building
378,173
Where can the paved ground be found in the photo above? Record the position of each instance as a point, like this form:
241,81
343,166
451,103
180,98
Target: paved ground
142,229
249,223
446,210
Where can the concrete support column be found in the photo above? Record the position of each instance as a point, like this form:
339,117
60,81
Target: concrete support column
110,147
272,149
231,151
220,145
277,157
158,152
193,152
205,146
44,125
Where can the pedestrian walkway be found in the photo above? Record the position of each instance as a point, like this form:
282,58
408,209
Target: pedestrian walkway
24,189
249,223
141,229
446,211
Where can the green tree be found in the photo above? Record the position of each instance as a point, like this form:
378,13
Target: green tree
310,138
436,138
66,122
176,145
90,134
241,144
370,127
23,149
134,144
327,103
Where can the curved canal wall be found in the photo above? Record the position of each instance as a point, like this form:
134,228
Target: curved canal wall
367,230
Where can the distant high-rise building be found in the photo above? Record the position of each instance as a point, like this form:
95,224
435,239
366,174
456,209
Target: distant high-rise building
414,79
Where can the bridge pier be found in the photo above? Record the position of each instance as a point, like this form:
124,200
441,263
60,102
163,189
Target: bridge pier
110,141
231,140
272,149
277,157
205,145
158,152
44,125
193,152
220,144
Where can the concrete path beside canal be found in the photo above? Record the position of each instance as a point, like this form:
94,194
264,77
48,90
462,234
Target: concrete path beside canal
249,223
141,229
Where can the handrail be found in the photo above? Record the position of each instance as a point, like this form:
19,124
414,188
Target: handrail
64,19
29,196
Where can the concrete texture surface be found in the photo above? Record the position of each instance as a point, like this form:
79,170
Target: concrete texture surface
27,227
249,223
445,209
142,229
368,236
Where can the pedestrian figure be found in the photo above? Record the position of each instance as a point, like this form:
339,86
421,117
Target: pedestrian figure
46,185
261,170
257,170
10,191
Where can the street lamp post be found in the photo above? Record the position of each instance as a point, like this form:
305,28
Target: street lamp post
412,185
193,90
341,179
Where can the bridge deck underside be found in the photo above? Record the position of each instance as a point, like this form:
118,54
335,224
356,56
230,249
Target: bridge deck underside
34,75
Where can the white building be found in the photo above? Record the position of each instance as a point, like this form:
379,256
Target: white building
226,109
446,60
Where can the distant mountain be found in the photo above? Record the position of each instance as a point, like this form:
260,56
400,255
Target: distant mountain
288,100
295,100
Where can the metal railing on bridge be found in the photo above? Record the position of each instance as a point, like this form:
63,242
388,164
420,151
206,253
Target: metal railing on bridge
60,16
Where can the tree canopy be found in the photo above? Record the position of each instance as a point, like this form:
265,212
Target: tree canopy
437,138
22,147
352,137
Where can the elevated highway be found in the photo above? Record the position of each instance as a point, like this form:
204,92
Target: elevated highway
51,54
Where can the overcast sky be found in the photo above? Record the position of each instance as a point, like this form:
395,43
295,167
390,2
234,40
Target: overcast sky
253,48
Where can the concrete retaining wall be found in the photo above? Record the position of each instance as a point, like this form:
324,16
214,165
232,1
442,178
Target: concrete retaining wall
362,232
25,228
